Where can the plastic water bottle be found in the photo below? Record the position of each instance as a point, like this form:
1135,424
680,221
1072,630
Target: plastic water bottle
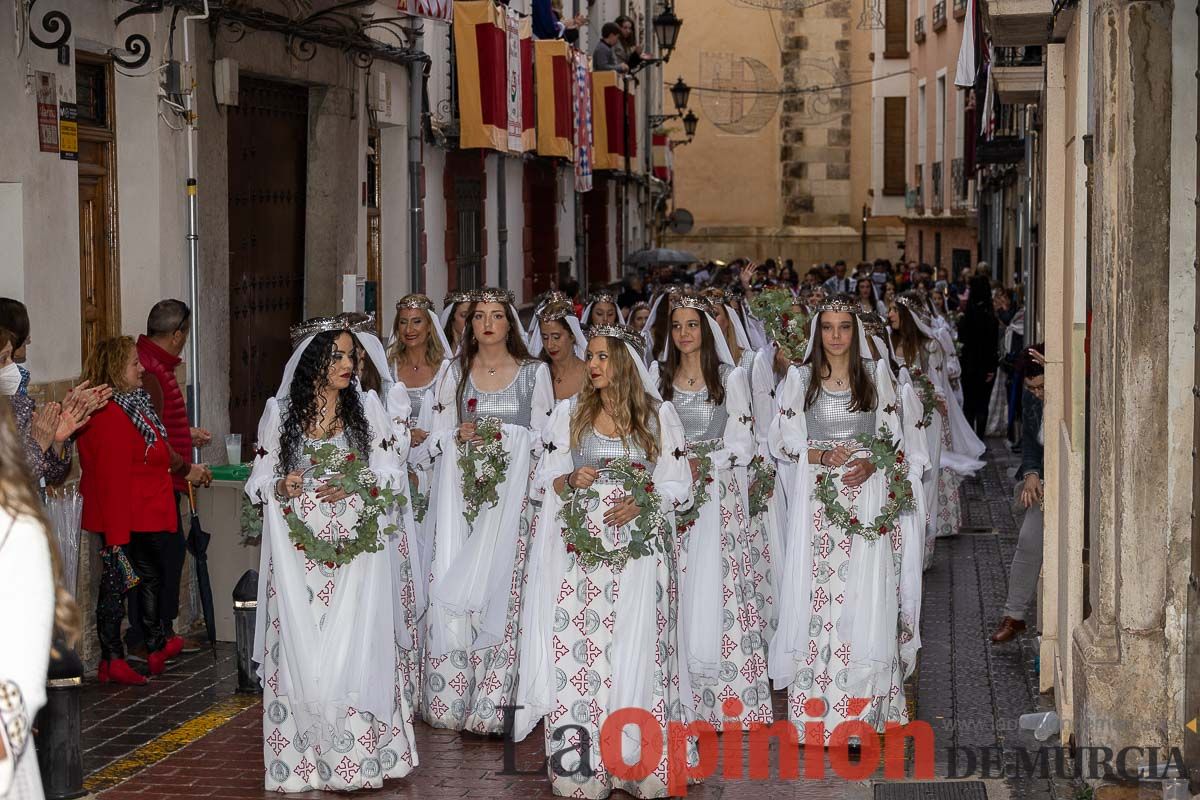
1047,727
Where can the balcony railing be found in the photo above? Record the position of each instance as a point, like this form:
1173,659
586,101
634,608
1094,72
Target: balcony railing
936,177
914,198
1031,56
960,9
958,184
919,29
939,15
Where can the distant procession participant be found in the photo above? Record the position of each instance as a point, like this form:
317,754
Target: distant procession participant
602,309
330,639
841,633
477,565
557,339
454,318
638,315
627,655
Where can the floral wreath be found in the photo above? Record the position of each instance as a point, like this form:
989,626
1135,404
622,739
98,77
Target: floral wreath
762,484
484,466
350,473
645,535
684,520
787,330
886,457
928,395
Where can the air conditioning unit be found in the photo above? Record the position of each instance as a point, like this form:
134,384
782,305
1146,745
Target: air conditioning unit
379,93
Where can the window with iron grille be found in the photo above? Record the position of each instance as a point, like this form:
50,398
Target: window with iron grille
939,15
919,29
936,178
958,180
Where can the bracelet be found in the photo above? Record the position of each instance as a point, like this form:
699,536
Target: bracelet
569,484
822,458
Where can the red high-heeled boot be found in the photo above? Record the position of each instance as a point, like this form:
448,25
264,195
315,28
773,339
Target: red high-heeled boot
157,661
173,647
119,671
102,672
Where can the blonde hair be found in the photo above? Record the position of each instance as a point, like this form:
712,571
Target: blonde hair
19,498
433,346
106,363
631,406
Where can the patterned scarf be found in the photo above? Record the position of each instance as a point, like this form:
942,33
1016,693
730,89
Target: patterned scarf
141,413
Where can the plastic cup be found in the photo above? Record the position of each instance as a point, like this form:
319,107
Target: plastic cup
233,447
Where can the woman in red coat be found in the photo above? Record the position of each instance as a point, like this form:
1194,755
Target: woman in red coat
128,500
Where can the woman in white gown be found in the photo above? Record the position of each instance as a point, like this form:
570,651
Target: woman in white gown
556,337
724,568
600,625
477,565
602,309
455,314
330,636
843,646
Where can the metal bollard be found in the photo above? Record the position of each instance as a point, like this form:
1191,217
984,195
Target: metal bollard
57,728
245,607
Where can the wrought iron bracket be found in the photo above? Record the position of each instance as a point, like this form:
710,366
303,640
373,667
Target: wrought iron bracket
54,22
135,43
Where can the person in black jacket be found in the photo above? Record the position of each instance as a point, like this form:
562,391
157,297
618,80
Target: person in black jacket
978,332
1027,560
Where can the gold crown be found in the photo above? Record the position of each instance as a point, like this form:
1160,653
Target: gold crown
418,301
873,323
913,308
358,322
639,306
695,301
555,310
715,295
623,332
493,294
552,296
839,303
311,327
454,298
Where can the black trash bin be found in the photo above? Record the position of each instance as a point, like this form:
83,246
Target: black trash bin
245,607
57,728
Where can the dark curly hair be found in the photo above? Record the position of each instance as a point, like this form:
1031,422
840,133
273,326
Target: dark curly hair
305,399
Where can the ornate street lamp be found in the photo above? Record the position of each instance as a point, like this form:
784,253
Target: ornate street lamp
680,93
666,31
689,124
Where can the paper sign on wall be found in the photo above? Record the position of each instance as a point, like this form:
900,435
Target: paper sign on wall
68,132
47,112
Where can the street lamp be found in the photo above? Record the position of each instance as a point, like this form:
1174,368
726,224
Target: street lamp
666,31
689,124
680,93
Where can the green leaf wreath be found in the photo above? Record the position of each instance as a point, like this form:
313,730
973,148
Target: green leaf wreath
786,328
645,532
348,471
251,519
928,395
890,460
484,466
762,484
684,520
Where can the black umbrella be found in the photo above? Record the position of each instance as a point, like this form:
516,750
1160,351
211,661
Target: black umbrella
660,256
197,545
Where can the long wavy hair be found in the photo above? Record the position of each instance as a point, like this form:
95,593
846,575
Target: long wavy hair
433,348
631,406
19,498
908,340
470,346
717,298
448,328
306,398
106,363
710,363
862,388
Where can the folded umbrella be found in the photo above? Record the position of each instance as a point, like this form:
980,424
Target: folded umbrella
197,545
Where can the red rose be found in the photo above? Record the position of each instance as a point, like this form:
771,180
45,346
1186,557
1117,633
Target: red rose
570,548
374,491
784,318
330,564
300,547
638,465
883,528
497,436
350,457
287,511
854,520
891,495
649,487
471,404
899,456
313,461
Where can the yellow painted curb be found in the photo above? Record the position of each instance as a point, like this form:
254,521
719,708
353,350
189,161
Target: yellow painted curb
152,752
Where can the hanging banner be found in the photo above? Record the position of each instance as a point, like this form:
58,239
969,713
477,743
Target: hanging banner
439,10
47,112
581,115
552,78
614,122
494,109
660,141
68,132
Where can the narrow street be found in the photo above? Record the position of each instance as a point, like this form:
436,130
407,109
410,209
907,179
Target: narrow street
188,734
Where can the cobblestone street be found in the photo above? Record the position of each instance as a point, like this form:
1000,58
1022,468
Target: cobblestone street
188,735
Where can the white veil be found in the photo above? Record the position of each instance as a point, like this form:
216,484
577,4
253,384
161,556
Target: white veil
535,335
370,343
587,313
723,352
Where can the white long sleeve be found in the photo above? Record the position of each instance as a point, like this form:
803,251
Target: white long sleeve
27,596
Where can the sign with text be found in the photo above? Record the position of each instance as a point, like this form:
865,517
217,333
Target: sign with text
47,112
68,132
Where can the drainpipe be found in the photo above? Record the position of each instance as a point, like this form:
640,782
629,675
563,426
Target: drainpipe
193,232
416,214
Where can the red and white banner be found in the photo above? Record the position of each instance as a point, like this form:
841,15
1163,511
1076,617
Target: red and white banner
493,51
440,10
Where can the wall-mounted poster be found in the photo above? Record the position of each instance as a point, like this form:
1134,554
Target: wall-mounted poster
47,112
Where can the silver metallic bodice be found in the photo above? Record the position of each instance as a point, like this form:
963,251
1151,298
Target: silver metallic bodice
512,405
747,362
929,356
339,441
829,417
702,420
416,399
596,449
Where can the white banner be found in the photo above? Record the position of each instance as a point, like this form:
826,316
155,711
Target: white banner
515,115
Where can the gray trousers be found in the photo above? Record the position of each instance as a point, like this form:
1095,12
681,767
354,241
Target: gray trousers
1026,565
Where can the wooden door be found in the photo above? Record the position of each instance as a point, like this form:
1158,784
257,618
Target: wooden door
541,225
99,278
268,154
595,220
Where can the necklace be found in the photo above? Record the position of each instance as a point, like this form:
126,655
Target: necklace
691,381
492,371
